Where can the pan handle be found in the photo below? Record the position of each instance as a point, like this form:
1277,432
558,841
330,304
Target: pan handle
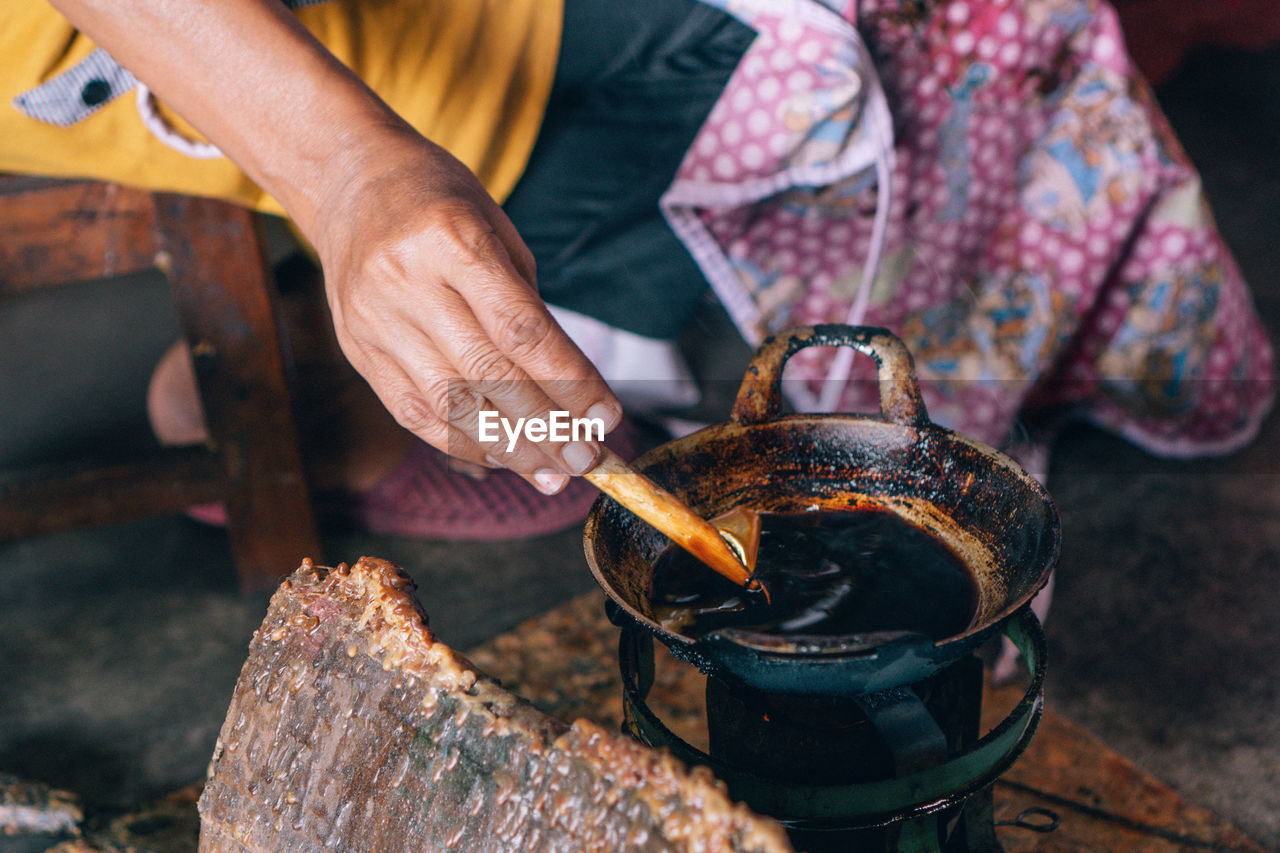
760,397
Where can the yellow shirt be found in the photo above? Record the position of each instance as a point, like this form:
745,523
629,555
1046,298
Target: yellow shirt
471,75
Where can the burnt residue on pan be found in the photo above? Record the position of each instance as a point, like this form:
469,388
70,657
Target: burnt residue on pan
993,515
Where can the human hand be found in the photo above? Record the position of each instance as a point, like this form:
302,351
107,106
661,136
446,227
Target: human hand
434,302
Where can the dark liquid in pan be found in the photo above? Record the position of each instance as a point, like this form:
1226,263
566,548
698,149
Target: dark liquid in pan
828,573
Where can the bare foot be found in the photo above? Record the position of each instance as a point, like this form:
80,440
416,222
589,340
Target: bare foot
173,401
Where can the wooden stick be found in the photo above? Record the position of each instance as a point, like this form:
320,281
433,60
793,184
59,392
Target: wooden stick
655,505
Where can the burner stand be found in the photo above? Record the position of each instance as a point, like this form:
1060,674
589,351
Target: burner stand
898,771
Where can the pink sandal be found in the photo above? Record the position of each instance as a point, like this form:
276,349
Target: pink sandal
422,497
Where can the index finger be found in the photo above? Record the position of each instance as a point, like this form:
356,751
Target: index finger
517,321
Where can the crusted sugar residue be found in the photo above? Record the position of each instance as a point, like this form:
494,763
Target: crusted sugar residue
356,728
690,809
689,806
394,631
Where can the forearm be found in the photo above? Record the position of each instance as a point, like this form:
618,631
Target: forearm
256,83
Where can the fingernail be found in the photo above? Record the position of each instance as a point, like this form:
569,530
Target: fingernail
491,461
611,415
579,457
549,482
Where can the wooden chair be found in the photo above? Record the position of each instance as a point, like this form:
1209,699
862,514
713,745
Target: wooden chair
54,232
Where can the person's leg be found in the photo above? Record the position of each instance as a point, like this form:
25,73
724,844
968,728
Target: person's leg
633,85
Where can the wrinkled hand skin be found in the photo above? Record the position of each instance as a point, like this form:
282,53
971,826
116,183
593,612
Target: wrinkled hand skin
434,301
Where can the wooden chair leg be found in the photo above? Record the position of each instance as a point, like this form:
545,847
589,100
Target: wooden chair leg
226,301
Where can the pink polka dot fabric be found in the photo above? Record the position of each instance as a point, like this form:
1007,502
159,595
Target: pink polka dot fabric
1048,252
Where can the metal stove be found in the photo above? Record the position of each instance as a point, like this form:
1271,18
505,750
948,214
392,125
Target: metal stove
904,769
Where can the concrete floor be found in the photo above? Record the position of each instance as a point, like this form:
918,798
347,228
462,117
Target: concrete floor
119,646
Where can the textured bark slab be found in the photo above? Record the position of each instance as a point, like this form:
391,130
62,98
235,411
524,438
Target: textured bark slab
352,728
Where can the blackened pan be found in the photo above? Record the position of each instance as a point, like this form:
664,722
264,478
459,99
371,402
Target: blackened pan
992,514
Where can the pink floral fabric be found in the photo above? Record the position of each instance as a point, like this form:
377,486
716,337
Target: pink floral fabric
1047,249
